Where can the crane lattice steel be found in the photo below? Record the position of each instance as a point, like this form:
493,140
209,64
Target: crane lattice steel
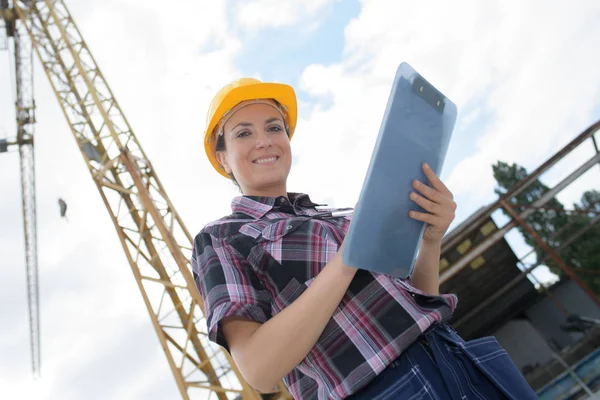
155,240
25,115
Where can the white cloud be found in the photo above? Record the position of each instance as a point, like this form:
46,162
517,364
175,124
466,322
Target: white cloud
532,67
275,13
163,64
523,73
529,65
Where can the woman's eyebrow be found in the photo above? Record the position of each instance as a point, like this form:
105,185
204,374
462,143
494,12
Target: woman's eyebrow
273,119
244,124
249,124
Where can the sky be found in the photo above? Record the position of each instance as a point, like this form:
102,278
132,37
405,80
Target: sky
524,76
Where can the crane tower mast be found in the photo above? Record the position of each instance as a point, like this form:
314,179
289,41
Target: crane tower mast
156,242
25,116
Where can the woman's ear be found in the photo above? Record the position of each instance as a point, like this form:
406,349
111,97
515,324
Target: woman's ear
222,157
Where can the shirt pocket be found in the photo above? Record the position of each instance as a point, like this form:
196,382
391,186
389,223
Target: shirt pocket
280,251
287,240
288,254
277,230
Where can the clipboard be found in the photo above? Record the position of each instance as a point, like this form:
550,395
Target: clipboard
416,128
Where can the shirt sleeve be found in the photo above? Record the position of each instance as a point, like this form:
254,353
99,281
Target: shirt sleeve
227,284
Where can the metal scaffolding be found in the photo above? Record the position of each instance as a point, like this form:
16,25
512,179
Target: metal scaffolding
519,219
154,238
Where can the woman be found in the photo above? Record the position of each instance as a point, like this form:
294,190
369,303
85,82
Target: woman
280,299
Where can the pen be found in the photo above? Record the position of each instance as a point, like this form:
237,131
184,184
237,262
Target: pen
344,212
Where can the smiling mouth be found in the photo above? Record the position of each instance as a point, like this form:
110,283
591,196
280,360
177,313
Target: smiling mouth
266,160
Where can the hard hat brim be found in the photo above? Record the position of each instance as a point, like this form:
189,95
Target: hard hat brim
284,94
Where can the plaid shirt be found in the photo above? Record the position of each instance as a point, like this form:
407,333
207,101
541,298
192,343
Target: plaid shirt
257,261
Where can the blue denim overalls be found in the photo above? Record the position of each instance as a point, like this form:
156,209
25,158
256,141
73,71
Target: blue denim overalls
441,365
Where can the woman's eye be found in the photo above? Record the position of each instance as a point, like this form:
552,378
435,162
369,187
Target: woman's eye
275,128
243,134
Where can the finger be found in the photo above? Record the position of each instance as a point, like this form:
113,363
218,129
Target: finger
426,217
430,193
435,181
446,203
425,204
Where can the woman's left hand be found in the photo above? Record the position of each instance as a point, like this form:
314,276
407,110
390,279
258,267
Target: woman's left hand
438,201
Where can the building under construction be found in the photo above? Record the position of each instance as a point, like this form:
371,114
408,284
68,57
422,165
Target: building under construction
551,333
496,296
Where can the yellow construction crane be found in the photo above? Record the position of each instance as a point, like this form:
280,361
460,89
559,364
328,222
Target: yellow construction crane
25,113
155,240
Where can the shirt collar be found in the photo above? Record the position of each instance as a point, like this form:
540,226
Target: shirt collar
258,206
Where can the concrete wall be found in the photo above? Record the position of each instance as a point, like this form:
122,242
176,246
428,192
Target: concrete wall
530,340
524,343
547,317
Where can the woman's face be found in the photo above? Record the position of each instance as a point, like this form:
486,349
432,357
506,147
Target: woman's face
257,150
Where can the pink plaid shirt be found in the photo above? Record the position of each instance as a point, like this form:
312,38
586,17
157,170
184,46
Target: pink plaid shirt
257,261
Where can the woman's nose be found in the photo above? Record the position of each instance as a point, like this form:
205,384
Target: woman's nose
263,139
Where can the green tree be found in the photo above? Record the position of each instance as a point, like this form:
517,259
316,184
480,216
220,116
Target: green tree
556,226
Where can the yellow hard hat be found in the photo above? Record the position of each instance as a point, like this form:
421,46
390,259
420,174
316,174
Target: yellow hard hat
241,90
